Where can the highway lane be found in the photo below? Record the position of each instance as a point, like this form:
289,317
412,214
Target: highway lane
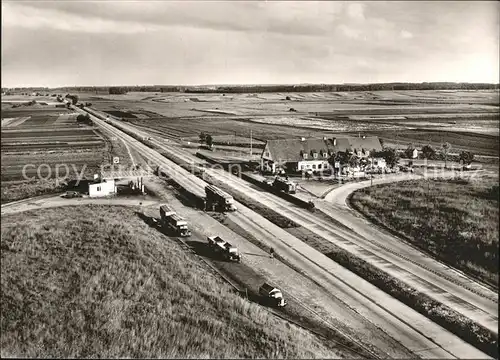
442,339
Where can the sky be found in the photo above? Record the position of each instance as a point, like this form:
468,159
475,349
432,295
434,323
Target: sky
101,43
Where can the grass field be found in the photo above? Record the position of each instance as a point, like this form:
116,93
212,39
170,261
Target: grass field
455,220
468,120
97,281
18,190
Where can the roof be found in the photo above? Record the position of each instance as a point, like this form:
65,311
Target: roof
165,208
267,287
218,191
367,143
177,217
292,150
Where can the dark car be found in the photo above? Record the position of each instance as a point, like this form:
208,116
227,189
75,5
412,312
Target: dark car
405,169
71,194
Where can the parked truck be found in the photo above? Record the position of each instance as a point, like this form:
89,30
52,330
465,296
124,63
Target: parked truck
174,222
271,295
216,199
285,185
224,248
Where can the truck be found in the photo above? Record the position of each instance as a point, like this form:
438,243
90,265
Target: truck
172,221
285,185
271,295
224,248
216,199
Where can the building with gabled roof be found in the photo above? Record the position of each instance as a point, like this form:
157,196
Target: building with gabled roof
295,155
359,146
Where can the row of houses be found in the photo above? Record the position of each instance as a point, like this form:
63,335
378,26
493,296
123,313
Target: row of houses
296,155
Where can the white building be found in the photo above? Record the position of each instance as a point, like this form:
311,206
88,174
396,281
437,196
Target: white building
105,187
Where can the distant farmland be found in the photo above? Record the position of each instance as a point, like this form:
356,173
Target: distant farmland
468,120
41,142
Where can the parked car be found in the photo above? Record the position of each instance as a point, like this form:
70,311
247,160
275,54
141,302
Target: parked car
72,194
307,173
405,169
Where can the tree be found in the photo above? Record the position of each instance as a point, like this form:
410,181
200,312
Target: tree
80,118
446,148
341,157
84,119
428,152
203,137
390,156
409,151
74,99
353,161
209,140
466,157
344,158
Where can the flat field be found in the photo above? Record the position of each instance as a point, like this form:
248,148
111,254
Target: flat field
466,119
98,281
35,143
455,220
42,143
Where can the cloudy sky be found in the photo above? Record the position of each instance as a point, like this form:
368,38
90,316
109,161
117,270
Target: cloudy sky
69,42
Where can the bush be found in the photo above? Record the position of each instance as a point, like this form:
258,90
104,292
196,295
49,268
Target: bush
428,152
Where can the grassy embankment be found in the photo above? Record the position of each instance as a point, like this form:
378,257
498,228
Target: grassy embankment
97,281
454,220
18,190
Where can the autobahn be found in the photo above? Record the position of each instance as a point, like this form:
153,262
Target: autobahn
388,253
413,330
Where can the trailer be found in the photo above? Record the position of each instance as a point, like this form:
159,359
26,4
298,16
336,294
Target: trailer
271,295
224,248
165,211
174,222
216,199
285,185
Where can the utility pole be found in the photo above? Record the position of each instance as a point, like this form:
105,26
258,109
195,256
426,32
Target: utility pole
250,144
371,171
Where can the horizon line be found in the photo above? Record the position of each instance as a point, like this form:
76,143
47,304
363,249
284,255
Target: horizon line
251,84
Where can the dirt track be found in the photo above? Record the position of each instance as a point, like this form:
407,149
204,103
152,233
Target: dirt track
58,201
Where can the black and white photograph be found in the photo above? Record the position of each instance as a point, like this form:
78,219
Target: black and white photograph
249,179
